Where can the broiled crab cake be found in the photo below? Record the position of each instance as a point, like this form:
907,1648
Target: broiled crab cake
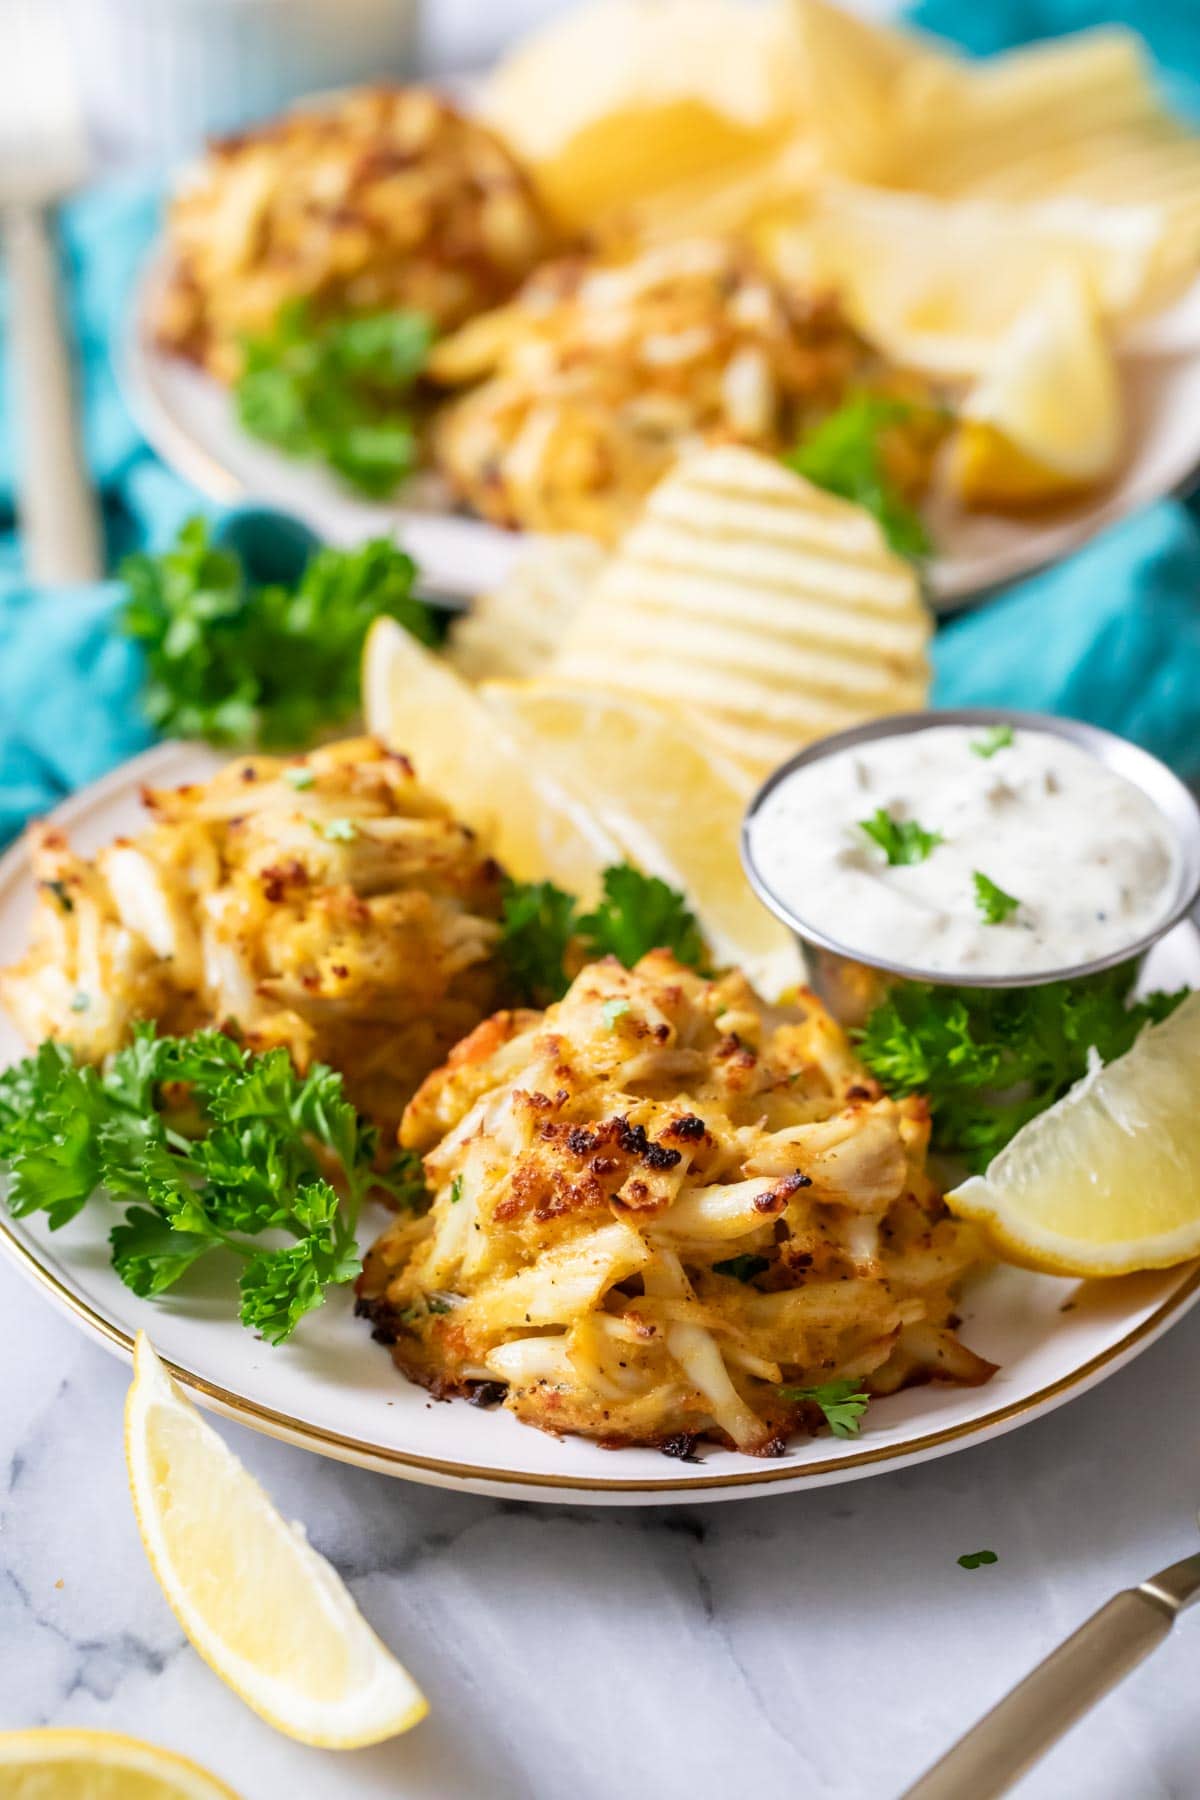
597,376
656,1204
382,197
328,903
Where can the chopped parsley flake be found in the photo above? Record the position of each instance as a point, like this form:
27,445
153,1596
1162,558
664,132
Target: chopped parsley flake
80,1001
456,1190
614,1010
996,737
59,890
992,901
901,840
975,1559
843,1403
742,1268
336,831
299,778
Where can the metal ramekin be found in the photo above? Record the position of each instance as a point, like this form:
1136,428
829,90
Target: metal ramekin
850,982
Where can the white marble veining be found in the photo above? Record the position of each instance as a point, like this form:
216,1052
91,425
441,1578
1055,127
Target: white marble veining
822,1646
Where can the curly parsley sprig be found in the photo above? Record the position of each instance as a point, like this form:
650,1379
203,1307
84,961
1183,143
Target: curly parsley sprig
243,664
205,1147
338,391
544,934
991,1059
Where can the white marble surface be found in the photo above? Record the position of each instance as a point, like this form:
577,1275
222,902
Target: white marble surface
797,1648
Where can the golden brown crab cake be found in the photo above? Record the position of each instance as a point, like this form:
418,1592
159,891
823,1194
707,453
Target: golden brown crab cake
382,197
328,903
660,1203
587,386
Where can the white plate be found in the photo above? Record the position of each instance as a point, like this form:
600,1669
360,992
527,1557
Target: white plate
334,1391
190,421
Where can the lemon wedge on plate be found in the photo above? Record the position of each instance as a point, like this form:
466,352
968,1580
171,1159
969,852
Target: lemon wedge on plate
268,1614
538,829
672,800
1046,420
99,1765
1108,1179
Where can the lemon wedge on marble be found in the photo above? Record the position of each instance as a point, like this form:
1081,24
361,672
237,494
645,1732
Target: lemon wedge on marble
1107,1180
99,1765
263,1609
1046,419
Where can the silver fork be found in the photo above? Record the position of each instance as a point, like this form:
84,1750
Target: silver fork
43,154
1019,1730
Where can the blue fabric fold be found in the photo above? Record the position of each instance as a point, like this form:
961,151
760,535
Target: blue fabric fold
1112,635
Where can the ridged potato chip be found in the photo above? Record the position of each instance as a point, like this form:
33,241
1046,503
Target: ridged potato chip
618,100
908,265
514,629
773,609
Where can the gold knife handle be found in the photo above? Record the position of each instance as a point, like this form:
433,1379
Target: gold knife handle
1010,1739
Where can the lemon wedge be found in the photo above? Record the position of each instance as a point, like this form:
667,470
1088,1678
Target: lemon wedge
673,802
268,1614
1107,1180
1046,420
534,824
99,1765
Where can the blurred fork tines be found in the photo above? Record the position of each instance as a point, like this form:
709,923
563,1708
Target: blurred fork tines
43,154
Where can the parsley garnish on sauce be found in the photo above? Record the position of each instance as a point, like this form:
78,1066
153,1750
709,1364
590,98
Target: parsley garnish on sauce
901,840
996,737
992,901
198,1148
975,1559
843,1403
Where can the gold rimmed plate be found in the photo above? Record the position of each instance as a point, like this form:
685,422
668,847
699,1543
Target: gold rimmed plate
334,1391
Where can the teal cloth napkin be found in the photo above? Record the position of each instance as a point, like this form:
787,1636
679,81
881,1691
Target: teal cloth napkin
1112,635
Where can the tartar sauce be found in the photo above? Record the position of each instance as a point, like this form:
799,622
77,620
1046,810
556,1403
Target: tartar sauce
1085,855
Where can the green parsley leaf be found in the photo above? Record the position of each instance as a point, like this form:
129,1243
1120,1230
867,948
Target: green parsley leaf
975,1559
537,924
901,840
996,737
845,454
742,1268
337,831
991,1059
542,931
614,1010
59,890
335,390
640,913
201,1146
239,664
992,901
843,1403
456,1190
299,778
80,1001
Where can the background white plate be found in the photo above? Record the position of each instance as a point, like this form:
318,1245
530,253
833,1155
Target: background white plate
333,1390
189,420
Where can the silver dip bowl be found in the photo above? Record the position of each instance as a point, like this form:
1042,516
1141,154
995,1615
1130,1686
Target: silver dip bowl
850,983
